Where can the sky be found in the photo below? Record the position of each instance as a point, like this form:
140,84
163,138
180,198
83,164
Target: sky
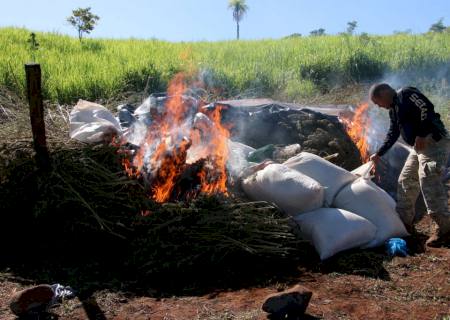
211,20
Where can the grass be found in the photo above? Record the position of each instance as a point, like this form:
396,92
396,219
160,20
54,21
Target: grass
289,68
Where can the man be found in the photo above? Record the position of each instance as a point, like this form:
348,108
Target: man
413,117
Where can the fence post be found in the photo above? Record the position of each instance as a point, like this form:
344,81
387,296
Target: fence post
34,94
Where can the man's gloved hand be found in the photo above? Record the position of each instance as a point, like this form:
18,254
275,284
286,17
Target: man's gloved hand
375,158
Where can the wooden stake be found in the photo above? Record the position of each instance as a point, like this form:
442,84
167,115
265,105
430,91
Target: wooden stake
34,94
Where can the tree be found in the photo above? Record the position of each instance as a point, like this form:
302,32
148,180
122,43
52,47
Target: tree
438,26
239,8
294,35
83,20
351,26
318,32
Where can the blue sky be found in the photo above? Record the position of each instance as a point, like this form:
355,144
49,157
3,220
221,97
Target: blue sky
186,20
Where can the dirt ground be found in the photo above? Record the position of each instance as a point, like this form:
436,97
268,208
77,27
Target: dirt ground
415,287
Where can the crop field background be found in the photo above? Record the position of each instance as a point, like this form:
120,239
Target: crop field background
291,69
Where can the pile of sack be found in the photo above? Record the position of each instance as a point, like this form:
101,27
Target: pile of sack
93,123
334,209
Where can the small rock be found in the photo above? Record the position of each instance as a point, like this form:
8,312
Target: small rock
32,299
291,302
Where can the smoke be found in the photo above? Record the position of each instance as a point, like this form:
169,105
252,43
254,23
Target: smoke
378,126
237,160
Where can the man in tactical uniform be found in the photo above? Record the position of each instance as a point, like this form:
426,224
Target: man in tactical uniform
413,117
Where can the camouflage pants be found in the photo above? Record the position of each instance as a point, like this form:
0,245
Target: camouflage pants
423,172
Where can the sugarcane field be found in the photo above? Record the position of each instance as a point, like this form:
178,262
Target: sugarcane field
224,160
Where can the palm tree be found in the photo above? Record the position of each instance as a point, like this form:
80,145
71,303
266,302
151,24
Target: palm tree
239,8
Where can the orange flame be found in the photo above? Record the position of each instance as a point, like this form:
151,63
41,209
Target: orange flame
218,151
357,127
171,138
168,157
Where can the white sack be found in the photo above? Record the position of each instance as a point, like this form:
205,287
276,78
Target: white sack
366,199
92,123
330,176
333,230
290,190
253,168
364,170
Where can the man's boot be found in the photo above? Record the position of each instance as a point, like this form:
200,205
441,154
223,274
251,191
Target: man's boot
441,234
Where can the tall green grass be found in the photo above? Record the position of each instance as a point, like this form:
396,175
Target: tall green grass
290,68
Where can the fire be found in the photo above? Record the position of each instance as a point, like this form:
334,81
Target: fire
182,142
218,150
357,127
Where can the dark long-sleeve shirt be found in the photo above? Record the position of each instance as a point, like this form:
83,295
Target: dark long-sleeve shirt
412,115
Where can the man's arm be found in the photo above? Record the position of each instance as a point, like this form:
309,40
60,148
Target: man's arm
391,137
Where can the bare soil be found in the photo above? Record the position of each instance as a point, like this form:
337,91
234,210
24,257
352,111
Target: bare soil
351,286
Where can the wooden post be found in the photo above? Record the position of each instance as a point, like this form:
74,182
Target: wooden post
34,94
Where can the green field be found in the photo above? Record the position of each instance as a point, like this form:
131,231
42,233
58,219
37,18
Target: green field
287,68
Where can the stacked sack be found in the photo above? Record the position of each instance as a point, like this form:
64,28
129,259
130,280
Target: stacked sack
292,191
334,209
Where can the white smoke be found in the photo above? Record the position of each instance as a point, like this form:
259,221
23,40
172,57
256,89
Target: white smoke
378,127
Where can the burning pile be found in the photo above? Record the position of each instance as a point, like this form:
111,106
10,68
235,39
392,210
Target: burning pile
180,147
279,124
184,151
180,153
